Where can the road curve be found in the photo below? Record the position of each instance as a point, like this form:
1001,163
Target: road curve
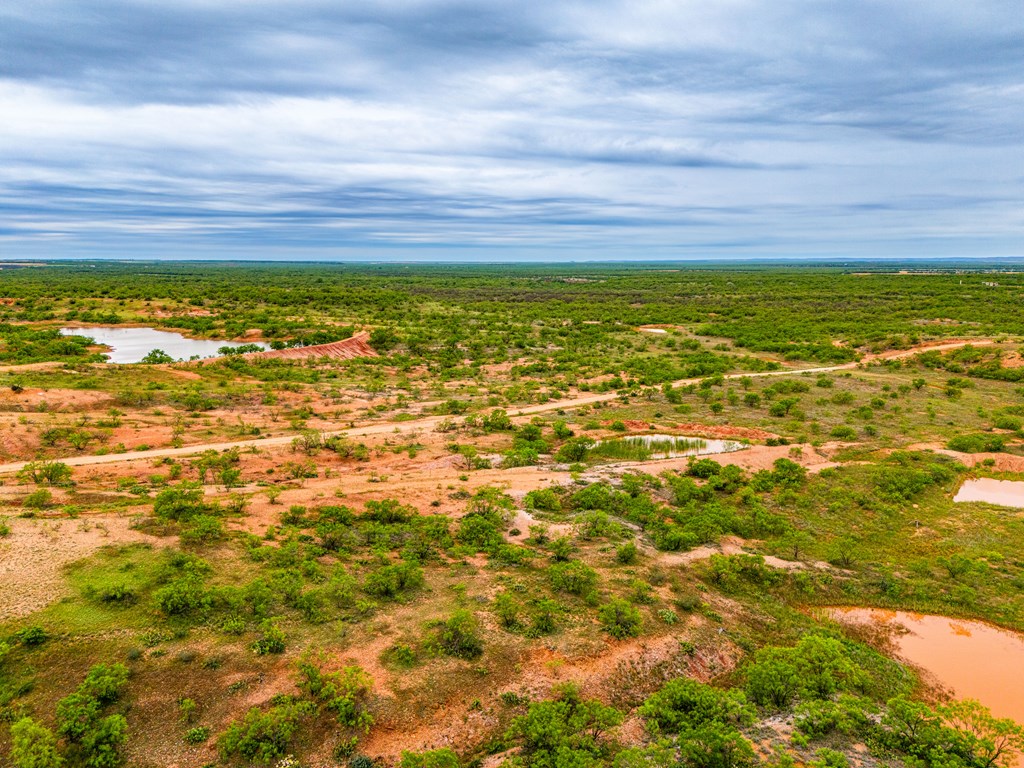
429,422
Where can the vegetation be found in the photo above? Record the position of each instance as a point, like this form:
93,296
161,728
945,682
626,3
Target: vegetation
484,511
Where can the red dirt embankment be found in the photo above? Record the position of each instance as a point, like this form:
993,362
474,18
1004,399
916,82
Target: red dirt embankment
346,349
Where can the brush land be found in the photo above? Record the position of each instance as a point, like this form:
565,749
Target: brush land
444,545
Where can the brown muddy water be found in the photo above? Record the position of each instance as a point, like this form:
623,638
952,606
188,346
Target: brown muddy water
1005,493
972,659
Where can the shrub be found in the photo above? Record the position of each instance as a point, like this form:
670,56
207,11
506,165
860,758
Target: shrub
684,704
574,450
5,529
76,714
627,553
437,758
184,596
566,731
48,472
202,530
32,636
1007,422
344,692
393,581
271,641
573,577
479,531
977,444
102,743
704,468
33,745
180,502
543,617
38,499
105,682
260,737
545,499
620,619
458,636
843,432
497,421
507,610
817,667
197,735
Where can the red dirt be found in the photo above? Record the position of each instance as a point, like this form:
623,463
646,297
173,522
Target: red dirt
723,432
347,349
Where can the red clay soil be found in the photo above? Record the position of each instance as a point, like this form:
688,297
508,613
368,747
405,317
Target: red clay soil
347,349
724,432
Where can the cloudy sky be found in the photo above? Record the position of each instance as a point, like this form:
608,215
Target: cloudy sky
473,130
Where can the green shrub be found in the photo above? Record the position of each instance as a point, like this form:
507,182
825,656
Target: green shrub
544,499
572,577
816,668
684,704
344,692
104,682
977,444
197,735
437,758
76,714
620,619
542,617
33,746
260,737
48,472
507,610
32,636
202,530
272,640
459,637
186,595
566,731
38,499
102,743
627,553
393,581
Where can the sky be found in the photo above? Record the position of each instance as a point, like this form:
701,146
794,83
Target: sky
555,130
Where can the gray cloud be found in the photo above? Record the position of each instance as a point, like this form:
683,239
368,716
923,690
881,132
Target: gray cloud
594,128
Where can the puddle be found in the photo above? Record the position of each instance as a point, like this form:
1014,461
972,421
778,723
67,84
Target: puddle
1005,493
973,659
648,447
130,345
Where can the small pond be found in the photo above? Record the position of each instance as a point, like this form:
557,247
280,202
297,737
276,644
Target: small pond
1005,493
646,447
973,659
130,345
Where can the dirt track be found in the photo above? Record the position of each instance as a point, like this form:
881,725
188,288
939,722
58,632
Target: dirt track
429,422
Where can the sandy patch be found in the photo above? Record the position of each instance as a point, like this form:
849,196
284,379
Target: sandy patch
35,552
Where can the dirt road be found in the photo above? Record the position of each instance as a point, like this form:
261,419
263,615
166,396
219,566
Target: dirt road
429,422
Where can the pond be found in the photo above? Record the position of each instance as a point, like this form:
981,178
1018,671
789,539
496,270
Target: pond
646,447
973,659
130,345
1005,493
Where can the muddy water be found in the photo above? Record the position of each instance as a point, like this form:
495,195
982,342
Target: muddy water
1005,493
972,659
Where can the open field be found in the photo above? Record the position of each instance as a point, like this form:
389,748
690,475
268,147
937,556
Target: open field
418,554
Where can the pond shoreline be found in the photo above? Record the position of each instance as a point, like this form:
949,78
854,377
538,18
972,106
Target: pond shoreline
968,657
132,344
